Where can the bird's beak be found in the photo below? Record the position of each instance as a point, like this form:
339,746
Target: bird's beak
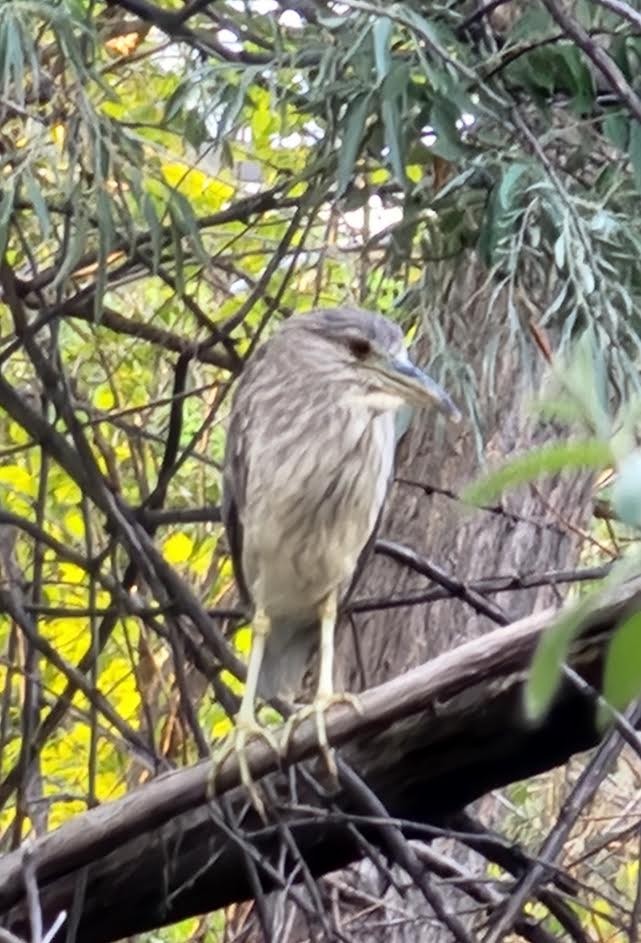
420,390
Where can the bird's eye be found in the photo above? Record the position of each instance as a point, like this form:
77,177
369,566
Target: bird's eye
360,347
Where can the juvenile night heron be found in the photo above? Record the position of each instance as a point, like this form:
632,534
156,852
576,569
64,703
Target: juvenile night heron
309,459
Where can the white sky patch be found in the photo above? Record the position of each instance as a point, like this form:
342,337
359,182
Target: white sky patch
380,217
255,6
465,121
229,39
290,140
427,136
290,19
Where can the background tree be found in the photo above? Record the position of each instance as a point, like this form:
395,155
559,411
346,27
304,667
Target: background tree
176,177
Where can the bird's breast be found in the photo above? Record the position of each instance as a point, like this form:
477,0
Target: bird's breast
307,525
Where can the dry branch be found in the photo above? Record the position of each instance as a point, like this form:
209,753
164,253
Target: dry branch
427,744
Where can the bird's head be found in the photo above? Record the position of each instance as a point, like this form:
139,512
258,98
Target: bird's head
371,350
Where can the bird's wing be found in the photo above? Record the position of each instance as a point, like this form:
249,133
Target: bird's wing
234,530
401,425
365,554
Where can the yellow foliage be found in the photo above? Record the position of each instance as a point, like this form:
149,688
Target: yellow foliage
183,930
71,573
221,728
74,523
197,185
17,434
18,479
178,548
66,491
103,398
58,135
378,176
231,681
69,636
242,640
201,558
118,684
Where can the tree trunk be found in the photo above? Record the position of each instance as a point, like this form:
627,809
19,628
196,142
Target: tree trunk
534,532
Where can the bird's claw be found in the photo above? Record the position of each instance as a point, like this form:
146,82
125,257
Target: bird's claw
318,709
236,743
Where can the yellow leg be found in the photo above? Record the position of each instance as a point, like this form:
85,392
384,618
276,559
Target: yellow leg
246,725
326,670
325,696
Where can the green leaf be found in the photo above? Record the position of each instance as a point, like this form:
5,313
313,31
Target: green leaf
635,151
443,117
533,21
353,127
549,460
502,206
393,137
105,241
545,671
622,673
34,194
578,77
381,35
616,127
508,187
626,491
7,196
153,223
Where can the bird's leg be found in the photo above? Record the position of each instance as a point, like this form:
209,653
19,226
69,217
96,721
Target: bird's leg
325,696
246,725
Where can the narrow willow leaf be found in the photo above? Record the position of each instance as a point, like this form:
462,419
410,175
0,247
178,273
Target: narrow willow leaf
353,127
635,151
381,35
508,191
545,671
14,65
155,234
626,492
393,137
183,216
75,248
443,117
7,196
34,194
616,127
551,653
105,242
622,674
179,256
559,252
549,460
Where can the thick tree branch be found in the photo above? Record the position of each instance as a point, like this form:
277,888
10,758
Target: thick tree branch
427,743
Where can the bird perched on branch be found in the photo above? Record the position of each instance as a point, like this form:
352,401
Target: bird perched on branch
308,463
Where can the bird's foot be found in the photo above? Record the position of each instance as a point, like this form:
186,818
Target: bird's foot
236,744
318,709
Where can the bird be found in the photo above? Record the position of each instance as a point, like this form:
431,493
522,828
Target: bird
309,460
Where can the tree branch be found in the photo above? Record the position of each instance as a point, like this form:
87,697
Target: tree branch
427,744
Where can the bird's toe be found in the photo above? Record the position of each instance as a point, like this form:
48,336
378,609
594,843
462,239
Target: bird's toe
318,710
237,744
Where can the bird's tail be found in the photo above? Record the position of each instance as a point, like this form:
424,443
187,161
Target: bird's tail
287,652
